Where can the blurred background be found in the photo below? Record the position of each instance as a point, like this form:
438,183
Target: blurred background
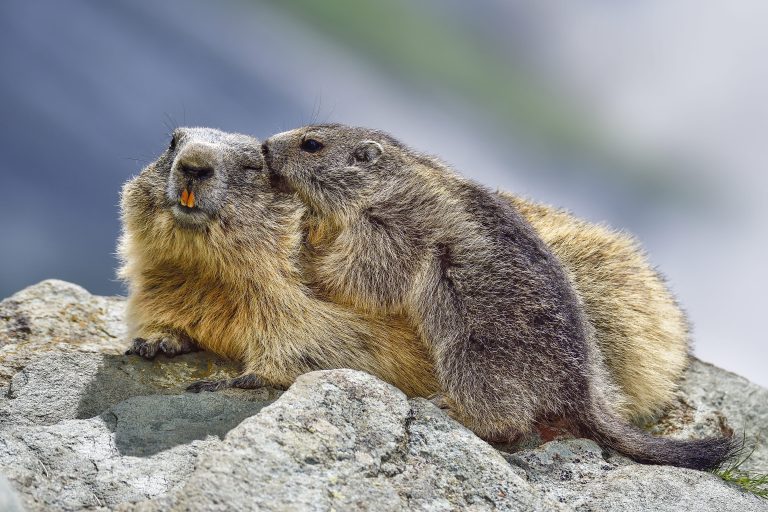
651,116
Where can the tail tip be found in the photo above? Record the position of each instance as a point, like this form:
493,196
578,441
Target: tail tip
711,453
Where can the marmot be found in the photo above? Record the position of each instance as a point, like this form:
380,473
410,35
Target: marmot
210,253
392,232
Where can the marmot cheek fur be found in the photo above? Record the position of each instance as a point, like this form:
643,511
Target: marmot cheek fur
398,233
210,253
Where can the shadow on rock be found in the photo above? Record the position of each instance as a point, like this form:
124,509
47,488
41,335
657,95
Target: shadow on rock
146,425
145,404
115,378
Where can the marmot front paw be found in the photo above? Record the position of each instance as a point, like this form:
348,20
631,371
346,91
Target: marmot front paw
168,343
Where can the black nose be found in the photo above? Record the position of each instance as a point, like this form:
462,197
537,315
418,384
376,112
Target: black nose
199,173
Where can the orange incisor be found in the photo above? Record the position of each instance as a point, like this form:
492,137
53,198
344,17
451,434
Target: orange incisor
187,198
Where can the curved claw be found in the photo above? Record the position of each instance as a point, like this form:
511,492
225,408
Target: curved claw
142,347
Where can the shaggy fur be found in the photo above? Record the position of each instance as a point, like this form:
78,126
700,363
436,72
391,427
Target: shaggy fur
392,232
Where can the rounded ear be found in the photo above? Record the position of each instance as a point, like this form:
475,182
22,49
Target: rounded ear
368,151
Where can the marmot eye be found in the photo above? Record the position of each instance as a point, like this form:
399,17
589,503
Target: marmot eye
172,144
311,145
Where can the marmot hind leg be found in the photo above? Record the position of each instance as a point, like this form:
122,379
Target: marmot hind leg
547,430
489,428
170,343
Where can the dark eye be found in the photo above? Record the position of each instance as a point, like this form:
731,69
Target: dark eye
172,145
311,145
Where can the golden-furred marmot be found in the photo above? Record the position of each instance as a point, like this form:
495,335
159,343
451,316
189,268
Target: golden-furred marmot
210,253
392,232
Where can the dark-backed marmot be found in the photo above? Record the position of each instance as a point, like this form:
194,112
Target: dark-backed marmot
392,232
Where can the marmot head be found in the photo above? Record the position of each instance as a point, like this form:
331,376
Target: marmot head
208,197
334,168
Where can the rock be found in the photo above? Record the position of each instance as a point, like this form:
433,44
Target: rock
55,316
344,440
84,427
8,500
712,401
73,385
577,472
140,448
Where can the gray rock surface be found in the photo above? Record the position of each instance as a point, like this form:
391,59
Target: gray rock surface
84,427
578,473
712,400
8,500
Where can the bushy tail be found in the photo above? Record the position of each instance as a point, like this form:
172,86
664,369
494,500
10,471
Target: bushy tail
600,423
